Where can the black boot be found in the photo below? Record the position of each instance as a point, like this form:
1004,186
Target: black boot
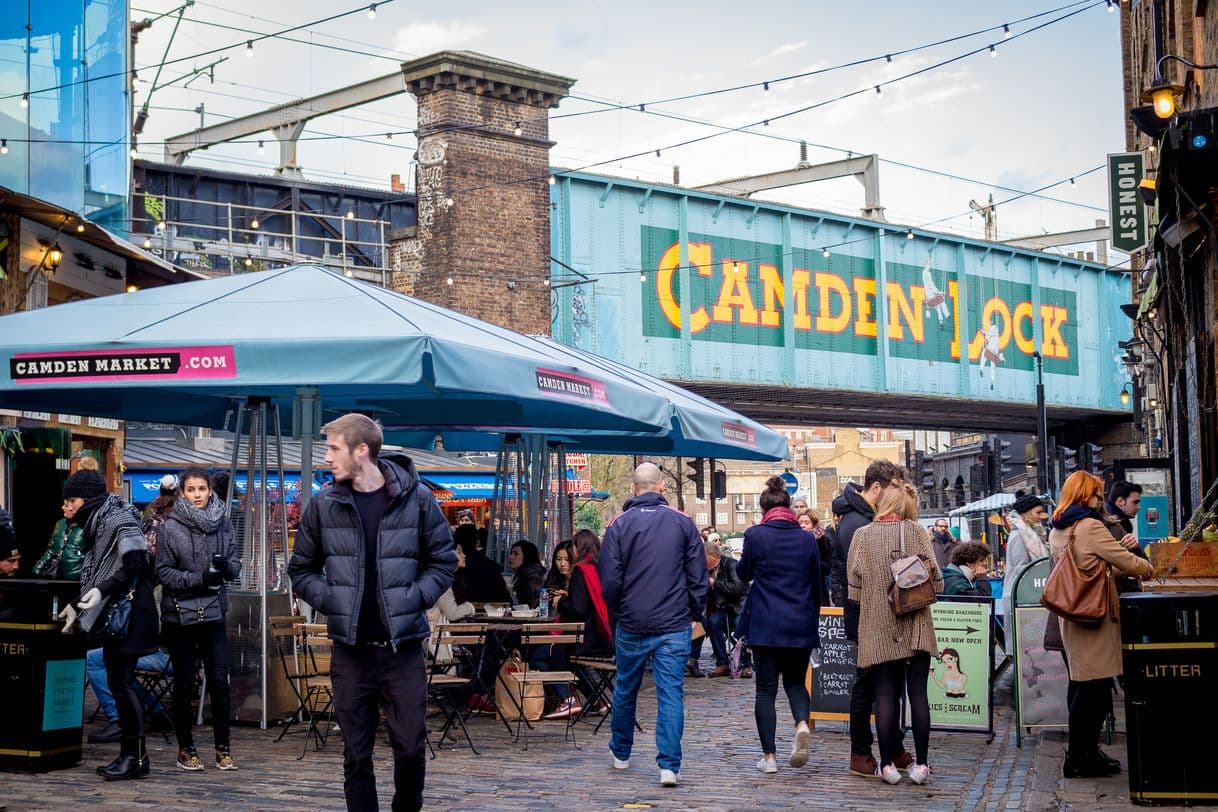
1086,765
131,763
1111,763
109,733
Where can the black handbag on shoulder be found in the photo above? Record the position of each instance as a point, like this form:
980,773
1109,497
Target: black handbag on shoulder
118,617
189,611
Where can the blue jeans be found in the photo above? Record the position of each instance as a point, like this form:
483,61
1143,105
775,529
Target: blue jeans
95,673
668,653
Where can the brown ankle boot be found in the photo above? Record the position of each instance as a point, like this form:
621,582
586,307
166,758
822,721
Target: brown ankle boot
864,765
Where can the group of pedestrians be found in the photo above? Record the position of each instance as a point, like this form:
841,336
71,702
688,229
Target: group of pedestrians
116,608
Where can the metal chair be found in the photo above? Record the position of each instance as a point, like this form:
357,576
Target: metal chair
537,634
447,690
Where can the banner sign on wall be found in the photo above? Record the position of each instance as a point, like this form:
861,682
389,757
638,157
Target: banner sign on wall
1128,215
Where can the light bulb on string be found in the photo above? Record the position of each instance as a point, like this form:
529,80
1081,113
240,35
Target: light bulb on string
80,227
372,12
448,202
517,130
3,146
1111,6
254,224
765,88
551,180
1071,181
261,148
909,235
448,281
878,91
350,214
642,109
249,48
147,243
348,273
546,282
993,52
888,58
388,136
642,277
1006,32
824,252
657,153
25,100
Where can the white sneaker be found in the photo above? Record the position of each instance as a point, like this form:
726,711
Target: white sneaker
669,779
918,773
767,765
890,774
799,749
621,763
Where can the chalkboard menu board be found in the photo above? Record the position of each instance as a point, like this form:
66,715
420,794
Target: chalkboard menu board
832,680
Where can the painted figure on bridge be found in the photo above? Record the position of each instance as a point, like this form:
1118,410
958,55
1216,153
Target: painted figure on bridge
936,299
991,352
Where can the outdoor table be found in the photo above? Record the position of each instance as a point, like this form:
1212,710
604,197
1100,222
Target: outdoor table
499,632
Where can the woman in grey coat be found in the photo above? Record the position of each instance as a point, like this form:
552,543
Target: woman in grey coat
196,554
1027,542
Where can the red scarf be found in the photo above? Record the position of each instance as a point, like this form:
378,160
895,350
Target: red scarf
780,513
593,580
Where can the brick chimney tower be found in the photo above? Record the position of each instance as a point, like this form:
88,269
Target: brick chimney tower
483,164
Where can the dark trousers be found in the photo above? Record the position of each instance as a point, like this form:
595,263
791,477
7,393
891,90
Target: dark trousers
367,678
768,664
716,631
891,680
1088,704
862,698
187,645
551,657
120,674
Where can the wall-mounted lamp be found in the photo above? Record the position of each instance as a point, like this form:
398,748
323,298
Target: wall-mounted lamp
1125,395
52,257
132,288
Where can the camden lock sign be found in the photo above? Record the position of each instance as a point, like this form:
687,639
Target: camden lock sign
1128,215
738,296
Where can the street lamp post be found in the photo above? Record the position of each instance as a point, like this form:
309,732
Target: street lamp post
1042,429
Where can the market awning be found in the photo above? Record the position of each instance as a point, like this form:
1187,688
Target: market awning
146,485
463,486
990,504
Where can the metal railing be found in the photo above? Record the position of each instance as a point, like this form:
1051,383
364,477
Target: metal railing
230,237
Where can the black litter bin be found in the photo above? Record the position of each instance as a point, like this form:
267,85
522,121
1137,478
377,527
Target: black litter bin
1170,645
42,677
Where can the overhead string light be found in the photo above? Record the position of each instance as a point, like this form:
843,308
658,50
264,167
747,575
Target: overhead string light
372,12
824,252
765,88
261,148
1006,32
1111,6
249,47
878,92
993,52
642,109
3,146
888,58
25,100
517,130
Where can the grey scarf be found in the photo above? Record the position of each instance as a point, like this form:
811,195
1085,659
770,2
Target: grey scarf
115,531
206,519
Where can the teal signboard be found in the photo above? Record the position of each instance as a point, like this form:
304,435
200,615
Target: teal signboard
63,694
698,287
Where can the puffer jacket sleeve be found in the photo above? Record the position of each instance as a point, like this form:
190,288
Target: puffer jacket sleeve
306,568
438,557
228,549
170,569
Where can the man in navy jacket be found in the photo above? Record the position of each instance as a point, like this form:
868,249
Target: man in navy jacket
653,576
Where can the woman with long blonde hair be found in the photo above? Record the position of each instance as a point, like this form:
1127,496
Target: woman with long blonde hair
899,648
1093,651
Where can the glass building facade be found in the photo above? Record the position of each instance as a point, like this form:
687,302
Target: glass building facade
65,105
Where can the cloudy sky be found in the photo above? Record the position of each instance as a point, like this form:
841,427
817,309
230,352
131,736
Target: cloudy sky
1046,107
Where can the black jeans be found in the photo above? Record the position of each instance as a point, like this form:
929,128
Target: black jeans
120,674
891,680
186,645
768,664
1088,704
366,678
862,698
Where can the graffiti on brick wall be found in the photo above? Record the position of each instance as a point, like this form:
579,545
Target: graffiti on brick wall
429,183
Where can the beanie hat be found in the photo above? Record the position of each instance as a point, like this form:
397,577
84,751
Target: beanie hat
1027,501
169,483
84,484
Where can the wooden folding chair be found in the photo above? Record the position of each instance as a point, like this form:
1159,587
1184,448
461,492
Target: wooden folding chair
285,629
447,690
600,673
539,634
316,683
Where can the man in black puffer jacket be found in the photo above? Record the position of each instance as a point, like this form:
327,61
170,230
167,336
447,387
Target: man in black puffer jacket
374,553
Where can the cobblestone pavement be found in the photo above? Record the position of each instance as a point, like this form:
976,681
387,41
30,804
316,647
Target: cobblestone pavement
720,750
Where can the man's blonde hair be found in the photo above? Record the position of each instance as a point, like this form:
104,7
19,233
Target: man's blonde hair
898,499
356,429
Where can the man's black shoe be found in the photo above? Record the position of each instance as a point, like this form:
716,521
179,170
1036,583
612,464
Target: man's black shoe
692,670
109,733
1112,763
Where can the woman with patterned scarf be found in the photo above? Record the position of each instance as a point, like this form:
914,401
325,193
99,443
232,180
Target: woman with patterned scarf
196,554
116,564
781,617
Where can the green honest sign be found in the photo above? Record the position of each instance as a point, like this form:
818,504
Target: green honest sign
1125,209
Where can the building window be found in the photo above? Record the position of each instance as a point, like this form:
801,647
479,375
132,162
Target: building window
740,518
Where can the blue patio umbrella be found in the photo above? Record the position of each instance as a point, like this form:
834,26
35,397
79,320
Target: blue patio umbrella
696,427
189,353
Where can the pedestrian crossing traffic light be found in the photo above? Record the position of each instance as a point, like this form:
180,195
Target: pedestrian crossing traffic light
1089,455
697,473
718,484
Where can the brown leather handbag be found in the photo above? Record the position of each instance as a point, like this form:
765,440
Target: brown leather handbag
1077,595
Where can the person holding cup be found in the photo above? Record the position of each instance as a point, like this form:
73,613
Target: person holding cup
196,554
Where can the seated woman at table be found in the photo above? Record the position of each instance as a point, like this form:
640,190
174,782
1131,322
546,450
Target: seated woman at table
483,580
559,576
450,608
584,604
529,574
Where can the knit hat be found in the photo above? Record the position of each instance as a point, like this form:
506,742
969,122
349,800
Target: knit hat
1027,501
169,484
9,555
85,484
